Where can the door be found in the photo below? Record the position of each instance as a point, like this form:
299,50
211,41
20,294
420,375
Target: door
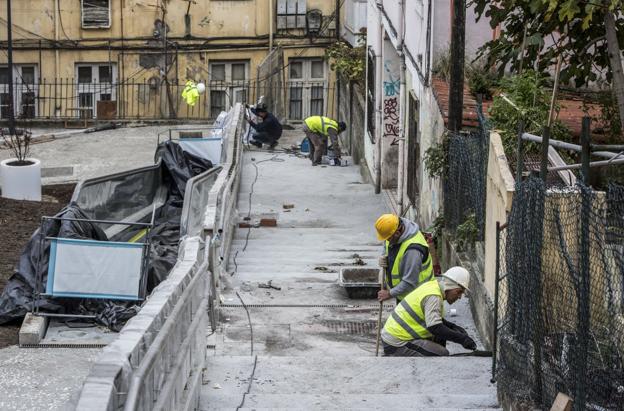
24,91
307,91
95,82
228,85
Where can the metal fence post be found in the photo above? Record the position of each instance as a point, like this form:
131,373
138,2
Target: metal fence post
544,159
583,311
519,159
496,298
585,150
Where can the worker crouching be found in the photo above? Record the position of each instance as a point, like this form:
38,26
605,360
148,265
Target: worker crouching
417,326
321,131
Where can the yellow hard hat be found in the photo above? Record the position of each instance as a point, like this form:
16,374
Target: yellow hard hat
386,225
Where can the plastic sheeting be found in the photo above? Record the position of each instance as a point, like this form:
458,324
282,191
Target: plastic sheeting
176,168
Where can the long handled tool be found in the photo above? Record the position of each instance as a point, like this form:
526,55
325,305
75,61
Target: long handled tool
382,275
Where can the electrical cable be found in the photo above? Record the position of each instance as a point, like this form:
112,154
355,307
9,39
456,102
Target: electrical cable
253,371
248,218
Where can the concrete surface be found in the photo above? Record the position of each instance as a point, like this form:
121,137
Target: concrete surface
316,347
42,379
95,154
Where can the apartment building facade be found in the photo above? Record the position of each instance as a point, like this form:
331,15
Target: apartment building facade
131,58
405,115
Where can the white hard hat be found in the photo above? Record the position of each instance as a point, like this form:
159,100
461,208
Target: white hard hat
459,276
201,87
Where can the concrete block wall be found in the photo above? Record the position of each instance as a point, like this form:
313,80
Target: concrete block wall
157,360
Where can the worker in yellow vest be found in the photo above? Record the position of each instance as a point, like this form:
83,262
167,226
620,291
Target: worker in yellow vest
417,326
319,130
191,92
406,255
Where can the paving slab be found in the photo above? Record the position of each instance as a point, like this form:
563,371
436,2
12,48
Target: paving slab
33,379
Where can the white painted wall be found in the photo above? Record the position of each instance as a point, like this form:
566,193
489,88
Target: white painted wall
354,20
477,33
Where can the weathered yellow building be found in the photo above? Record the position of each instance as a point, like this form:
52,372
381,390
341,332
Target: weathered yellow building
130,58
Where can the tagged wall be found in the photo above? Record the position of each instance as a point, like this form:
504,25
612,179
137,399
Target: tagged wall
390,116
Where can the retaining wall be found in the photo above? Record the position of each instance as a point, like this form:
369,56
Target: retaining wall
156,361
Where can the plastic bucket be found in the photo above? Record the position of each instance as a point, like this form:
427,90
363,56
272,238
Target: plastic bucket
21,182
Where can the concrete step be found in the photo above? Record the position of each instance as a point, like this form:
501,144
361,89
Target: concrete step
354,402
323,382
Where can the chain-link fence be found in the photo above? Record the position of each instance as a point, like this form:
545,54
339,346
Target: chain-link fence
561,297
465,180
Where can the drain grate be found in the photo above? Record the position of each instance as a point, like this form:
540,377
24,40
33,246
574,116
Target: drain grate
367,306
62,345
350,327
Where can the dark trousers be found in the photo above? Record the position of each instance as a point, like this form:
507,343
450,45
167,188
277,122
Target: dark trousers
264,137
416,348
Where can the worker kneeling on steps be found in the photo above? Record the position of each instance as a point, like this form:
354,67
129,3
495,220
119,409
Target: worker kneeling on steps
417,326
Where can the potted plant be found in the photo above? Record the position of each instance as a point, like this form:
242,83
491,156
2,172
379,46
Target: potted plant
20,176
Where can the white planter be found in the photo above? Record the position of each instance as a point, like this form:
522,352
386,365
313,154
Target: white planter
21,182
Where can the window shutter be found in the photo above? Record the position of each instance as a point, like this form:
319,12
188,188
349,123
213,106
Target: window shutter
96,13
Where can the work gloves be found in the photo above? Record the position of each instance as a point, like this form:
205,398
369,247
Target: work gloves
444,332
454,326
383,261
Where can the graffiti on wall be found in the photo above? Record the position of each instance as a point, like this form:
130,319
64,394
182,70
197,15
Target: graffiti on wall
391,104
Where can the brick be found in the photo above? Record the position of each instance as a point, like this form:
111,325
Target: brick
268,222
562,403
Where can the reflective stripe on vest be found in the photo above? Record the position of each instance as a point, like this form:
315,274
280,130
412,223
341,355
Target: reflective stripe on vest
426,268
320,124
407,321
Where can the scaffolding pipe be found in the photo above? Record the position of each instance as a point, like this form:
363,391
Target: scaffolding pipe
567,146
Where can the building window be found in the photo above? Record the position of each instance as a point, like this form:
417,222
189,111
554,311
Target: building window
25,91
291,14
413,150
94,83
307,88
228,85
370,95
96,14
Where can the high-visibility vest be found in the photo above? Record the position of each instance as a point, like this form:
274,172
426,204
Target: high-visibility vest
426,268
320,124
190,94
407,321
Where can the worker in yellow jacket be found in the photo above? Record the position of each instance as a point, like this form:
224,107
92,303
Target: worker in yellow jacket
319,130
191,92
417,326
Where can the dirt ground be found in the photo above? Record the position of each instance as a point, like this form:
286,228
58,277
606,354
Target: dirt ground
18,221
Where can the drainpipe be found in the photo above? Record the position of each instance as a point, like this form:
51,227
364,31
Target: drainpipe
402,110
378,99
270,25
57,67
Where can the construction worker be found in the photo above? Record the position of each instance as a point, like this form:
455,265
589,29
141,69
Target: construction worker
268,131
417,326
406,255
319,130
191,92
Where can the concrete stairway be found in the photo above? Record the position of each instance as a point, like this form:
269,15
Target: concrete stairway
315,348
332,383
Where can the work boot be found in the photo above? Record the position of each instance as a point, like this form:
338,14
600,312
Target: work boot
273,145
255,143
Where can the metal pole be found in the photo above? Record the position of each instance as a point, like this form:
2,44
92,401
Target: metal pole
519,154
10,69
585,150
544,160
458,50
496,292
583,313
